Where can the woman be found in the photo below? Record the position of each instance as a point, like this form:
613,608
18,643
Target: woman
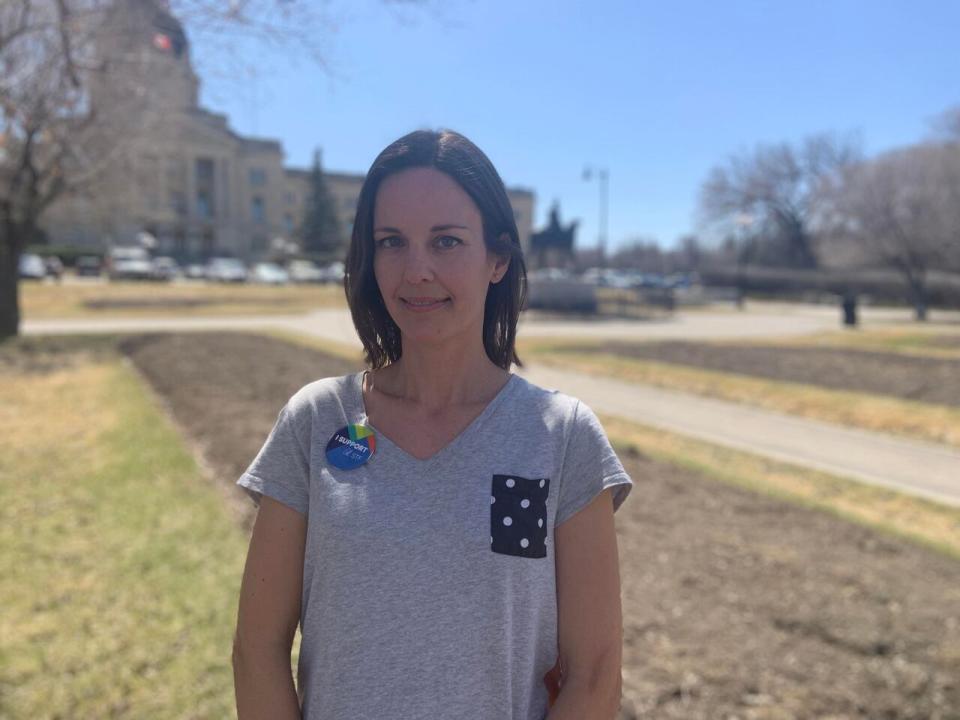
441,529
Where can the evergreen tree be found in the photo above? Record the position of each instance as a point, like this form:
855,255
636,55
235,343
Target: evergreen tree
320,230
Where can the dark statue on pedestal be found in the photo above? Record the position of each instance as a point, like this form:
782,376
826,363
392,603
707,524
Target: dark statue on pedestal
553,247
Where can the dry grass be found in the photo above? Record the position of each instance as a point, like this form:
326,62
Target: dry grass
908,339
120,567
141,299
871,412
917,519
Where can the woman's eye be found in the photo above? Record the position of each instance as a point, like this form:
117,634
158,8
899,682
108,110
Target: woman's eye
448,241
388,242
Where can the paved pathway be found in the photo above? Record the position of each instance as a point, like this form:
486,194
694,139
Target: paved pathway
924,469
335,324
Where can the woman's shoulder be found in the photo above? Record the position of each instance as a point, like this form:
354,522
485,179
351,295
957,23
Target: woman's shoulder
329,393
544,400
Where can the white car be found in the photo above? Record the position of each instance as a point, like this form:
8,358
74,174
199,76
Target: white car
32,267
304,271
269,274
334,272
226,270
129,263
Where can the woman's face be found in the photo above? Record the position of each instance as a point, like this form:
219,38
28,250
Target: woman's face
430,260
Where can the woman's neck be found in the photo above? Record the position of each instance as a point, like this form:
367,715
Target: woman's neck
439,376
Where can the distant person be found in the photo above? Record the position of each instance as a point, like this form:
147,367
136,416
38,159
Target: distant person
850,308
54,267
440,528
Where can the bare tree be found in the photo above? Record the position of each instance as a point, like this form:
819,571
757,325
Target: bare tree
777,186
68,106
900,210
946,126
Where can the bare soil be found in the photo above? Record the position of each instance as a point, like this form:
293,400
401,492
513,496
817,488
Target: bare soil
909,377
736,605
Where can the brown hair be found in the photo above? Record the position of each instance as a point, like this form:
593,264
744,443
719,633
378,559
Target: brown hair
453,154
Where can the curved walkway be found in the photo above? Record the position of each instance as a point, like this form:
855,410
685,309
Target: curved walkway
911,466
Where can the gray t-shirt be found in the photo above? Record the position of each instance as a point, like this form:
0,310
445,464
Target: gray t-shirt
429,585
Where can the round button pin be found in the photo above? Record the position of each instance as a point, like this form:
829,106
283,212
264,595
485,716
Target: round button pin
351,446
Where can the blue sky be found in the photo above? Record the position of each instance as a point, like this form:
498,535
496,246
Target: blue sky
657,92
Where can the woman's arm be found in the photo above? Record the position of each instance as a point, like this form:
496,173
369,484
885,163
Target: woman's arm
269,611
590,623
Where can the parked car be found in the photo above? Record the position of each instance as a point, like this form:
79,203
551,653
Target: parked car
269,274
129,263
88,266
165,268
334,272
304,271
195,271
224,269
32,267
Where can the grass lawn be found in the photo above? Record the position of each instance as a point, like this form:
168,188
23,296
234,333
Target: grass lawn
120,565
142,299
907,338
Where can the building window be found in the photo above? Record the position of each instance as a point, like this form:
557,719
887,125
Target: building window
203,205
288,222
258,177
204,182
257,210
288,198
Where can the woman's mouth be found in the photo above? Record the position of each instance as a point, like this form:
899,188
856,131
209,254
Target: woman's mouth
423,304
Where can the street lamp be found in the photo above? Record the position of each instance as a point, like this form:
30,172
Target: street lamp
603,177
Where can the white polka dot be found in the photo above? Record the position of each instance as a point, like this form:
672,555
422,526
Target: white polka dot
524,503
540,522
508,520
510,482
492,499
524,542
491,539
541,483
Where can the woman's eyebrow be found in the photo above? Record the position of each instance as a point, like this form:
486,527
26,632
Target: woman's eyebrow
435,228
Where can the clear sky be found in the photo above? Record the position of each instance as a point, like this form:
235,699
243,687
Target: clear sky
656,92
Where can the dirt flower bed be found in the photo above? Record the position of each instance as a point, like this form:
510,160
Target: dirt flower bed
735,605
923,379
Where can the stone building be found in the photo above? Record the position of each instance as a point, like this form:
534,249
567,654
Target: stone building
183,174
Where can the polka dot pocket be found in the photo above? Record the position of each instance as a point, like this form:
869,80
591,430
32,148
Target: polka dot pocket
518,515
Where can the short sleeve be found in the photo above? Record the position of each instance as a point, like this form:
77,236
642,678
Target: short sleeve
589,467
281,469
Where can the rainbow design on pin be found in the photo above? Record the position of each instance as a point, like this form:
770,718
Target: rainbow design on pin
351,446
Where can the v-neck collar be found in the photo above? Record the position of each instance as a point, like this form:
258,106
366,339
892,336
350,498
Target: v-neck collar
383,442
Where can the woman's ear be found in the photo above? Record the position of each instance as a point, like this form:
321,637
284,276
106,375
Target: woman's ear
500,269
503,262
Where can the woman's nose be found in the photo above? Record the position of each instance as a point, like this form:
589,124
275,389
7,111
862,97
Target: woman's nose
418,266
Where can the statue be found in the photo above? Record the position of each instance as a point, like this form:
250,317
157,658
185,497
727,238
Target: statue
553,247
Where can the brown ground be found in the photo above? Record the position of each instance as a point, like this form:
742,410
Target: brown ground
924,379
735,605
